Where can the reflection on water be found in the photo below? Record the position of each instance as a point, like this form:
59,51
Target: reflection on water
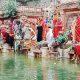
21,67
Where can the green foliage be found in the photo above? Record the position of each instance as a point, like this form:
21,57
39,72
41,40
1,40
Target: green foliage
79,2
10,8
28,0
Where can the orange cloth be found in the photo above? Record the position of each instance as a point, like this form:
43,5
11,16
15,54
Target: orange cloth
45,30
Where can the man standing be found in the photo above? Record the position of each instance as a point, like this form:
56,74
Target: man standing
39,33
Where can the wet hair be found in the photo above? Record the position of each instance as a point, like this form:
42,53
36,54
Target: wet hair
49,27
17,22
9,40
72,48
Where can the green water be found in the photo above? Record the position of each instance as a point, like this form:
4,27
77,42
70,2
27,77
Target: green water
21,67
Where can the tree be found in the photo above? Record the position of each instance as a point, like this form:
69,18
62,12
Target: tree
10,8
25,2
79,2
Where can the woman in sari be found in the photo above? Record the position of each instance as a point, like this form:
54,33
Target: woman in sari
76,39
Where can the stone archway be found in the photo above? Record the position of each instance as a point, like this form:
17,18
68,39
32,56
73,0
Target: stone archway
70,19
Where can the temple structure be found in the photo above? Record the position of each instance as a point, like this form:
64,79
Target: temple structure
69,12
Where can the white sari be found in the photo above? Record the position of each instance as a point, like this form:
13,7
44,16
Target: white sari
49,37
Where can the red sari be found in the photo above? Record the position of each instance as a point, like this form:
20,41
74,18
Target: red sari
77,32
57,28
77,50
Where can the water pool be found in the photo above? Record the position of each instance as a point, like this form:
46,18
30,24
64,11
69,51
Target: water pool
21,67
